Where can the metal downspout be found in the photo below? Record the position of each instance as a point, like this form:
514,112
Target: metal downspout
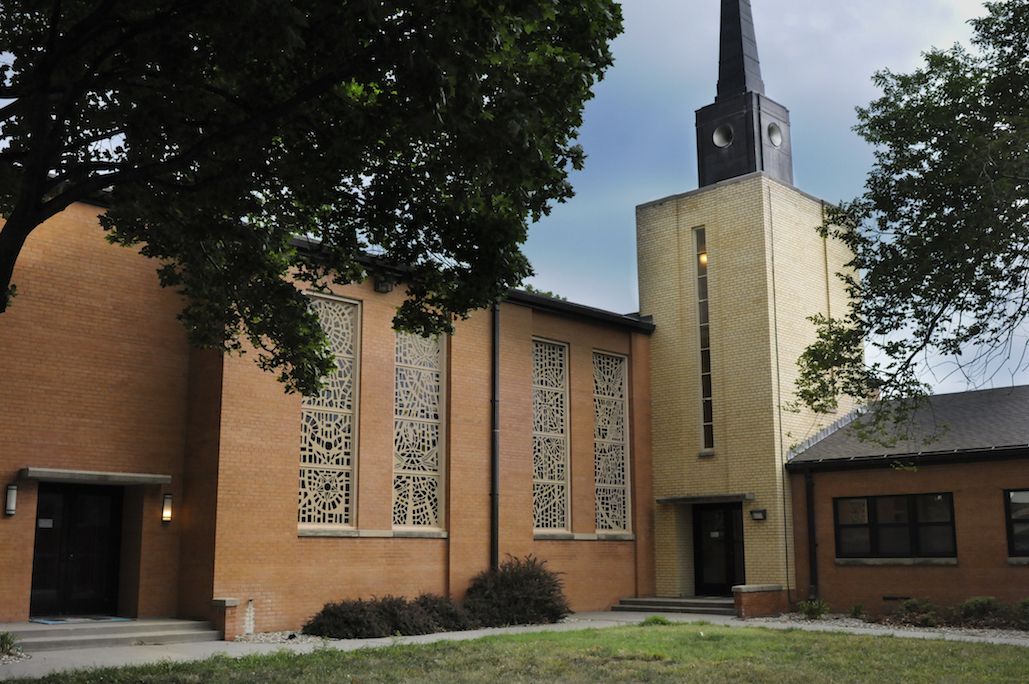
812,545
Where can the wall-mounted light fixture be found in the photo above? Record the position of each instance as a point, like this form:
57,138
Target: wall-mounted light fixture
384,283
166,510
11,502
759,514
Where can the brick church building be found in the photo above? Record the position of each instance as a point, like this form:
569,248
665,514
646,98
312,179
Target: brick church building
641,455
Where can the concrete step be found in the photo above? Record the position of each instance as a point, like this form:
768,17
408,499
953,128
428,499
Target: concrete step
33,637
695,606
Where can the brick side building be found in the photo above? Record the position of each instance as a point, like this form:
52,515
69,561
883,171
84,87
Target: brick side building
108,411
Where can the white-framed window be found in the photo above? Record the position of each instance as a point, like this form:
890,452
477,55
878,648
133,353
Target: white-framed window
704,317
418,441
550,435
611,441
328,424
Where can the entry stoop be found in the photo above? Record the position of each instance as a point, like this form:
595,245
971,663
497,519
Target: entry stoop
696,605
33,637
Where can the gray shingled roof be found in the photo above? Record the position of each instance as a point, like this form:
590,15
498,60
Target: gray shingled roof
966,422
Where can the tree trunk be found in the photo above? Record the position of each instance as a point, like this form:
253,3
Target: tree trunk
12,238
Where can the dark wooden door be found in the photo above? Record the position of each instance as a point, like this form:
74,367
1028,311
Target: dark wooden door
718,548
76,556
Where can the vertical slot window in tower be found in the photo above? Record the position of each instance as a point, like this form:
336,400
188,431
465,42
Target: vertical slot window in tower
704,318
328,424
549,435
417,431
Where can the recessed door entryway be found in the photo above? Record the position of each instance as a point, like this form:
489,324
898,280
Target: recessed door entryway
76,555
718,548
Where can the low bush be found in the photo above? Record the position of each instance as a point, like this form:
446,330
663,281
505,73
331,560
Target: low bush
813,609
857,611
981,609
522,591
446,615
1021,612
918,613
358,619
8,644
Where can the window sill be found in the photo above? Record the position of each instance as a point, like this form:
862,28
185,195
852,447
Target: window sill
579,536
896,561
1019,560
706,453
371,534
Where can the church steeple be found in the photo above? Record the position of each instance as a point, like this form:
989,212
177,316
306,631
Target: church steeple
743,131
739,69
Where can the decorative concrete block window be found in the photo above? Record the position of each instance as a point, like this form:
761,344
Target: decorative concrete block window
417,431
550,435
908,526
610,441
707,417
328,424
1016,506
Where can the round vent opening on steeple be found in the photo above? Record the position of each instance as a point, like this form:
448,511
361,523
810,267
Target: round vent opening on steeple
723,136
775,134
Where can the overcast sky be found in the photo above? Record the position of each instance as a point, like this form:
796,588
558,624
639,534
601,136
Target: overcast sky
817,59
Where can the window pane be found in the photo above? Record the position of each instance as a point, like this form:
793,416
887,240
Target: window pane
936,540
702,288
1020,538
705,361
708,412
703,313
892,509
895,541
1019,505
705,382
705,337
709,436
852,511
933,508
854,541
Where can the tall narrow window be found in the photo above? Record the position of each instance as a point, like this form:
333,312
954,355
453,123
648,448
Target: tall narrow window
328,428
610,441
704,316
417,435
549,435
1016,505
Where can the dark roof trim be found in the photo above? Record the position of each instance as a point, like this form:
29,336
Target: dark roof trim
924,458
535,301
714,499
558,306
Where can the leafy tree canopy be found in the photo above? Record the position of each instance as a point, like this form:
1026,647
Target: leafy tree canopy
426,132
941,233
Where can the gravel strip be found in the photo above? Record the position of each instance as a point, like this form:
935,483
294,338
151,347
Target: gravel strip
280,638
13,658
847,622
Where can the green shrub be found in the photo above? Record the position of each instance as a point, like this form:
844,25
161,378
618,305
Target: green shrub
917,612
813,609
1021,612
446,615
857,611
8,644
403,617
358,619
979,608
522,591
656,621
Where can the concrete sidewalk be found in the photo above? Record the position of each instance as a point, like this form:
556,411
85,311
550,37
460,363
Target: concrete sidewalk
44,663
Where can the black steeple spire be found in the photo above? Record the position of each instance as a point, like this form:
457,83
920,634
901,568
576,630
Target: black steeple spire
743,131
739,69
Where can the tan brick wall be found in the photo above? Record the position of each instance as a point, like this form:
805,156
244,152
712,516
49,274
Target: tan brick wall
103,379
768,271
95,378
982,549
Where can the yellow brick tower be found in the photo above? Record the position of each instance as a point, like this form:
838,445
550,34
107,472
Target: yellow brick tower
730,273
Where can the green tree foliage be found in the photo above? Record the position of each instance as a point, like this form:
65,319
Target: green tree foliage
941,233
426,132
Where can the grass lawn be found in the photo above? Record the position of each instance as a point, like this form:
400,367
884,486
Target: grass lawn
676,653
